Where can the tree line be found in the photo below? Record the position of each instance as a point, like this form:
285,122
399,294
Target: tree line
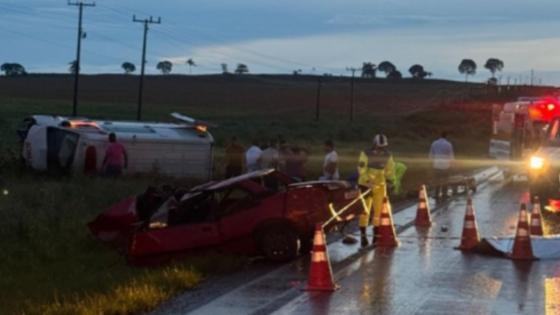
467,67
164,66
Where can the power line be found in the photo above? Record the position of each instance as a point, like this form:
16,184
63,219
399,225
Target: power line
80,6
146,22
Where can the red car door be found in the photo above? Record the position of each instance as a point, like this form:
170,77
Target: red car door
244,208
175,239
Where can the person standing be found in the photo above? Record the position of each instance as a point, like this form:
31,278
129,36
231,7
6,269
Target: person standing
442,156
253,157
270,156
116,159
375,167
295,163
235,158
330,163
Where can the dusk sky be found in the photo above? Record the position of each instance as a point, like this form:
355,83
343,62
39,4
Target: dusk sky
316,36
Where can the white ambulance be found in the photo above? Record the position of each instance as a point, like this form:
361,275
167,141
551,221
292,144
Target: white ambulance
77,145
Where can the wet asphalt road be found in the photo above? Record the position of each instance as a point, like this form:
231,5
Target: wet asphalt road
425,275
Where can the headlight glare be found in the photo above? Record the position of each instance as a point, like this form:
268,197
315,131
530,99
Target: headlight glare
536,163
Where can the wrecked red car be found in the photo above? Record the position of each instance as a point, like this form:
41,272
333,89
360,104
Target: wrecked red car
262,212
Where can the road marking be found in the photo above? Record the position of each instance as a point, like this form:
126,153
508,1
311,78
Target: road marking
552,296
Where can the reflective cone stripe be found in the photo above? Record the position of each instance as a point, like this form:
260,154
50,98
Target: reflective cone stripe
522,248
385,235
470,237
536,218
423,217
318,257
320,271
318,238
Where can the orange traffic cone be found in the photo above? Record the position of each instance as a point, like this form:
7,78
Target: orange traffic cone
423,217
385,235
522,248
320,272
536,218
470,237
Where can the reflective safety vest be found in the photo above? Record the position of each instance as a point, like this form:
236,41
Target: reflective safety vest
375,167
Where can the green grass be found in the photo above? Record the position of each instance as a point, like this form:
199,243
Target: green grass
50,263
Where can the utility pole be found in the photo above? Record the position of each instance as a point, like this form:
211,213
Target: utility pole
146,22
532,77
318,98
81,34
353,70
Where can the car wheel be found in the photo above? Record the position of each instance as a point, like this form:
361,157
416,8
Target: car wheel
279,244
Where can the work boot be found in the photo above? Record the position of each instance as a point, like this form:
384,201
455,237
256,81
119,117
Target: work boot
364,242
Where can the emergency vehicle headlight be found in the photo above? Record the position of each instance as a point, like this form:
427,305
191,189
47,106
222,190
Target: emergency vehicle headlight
536,163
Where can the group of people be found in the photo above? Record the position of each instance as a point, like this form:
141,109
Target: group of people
376,169
275,154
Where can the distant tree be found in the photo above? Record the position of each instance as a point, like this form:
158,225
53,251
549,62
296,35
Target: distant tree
12,69
128,67
164,66
224,68
241,69
395,75
72,65
494,64
387,67
191,64
417,71
467,67
368,70
296,72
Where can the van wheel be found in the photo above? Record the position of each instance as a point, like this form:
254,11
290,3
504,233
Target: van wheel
279,243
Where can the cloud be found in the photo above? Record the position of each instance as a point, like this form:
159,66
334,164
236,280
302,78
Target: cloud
408,20
440,51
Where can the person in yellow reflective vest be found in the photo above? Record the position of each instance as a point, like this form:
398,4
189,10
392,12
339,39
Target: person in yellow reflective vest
375,168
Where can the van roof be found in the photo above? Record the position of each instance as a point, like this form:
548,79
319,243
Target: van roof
157,131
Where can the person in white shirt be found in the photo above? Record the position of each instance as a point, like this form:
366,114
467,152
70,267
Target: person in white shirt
253,157
330,164
442,156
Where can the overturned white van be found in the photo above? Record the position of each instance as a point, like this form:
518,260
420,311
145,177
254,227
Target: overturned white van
77,145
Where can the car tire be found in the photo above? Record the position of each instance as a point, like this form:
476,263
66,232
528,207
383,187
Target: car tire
279,243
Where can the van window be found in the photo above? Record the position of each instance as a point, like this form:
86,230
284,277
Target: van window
61,148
